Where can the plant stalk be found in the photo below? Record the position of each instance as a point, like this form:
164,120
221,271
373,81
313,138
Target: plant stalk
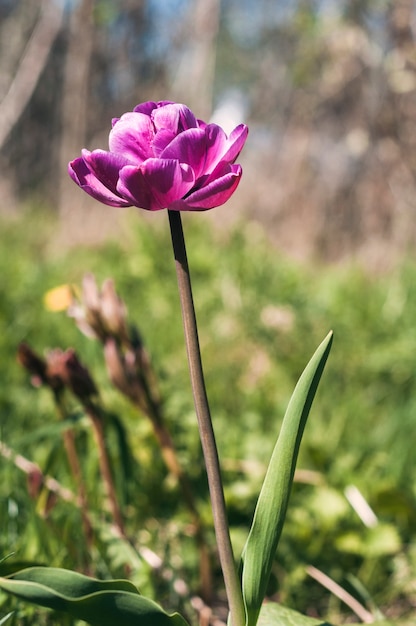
69,443
75,467
105,468
209,446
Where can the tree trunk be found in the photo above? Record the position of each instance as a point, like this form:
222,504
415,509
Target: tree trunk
75,97
31,65
193,83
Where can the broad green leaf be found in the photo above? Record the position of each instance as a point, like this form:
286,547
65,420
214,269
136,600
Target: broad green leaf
100,603
269,516
7,568
272,614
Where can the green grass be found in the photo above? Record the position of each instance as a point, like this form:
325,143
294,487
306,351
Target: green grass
260,317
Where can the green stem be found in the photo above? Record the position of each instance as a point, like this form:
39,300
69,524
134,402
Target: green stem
209,447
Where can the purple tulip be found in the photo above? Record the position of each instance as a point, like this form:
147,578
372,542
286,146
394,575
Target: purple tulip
162,157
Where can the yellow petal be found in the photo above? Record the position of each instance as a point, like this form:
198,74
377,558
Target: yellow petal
59,298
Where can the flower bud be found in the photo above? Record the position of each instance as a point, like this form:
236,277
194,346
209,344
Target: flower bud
113,311
65,370
33,363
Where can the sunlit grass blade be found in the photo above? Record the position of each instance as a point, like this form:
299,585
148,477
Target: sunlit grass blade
4,619
260,548
100,603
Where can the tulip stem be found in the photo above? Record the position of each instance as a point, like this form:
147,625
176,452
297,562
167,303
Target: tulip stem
206,431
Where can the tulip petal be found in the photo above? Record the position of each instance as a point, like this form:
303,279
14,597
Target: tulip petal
216,190
131,136
235,143
176,117
86,179
156,183
188,147
162,103
220,148
145,107
216,145
105,166
161,140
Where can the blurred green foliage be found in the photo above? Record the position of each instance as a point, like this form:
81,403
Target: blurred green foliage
261,317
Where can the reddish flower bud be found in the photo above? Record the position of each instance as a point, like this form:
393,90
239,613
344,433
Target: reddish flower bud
64,369
32,362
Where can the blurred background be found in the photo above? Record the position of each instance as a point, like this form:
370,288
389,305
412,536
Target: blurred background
328,88
319,235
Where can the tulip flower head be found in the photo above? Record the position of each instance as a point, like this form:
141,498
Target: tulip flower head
161,157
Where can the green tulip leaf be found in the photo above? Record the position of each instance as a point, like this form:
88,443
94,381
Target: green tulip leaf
272,614
269,516
100,603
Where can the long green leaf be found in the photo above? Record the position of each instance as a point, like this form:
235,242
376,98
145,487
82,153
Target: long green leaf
272,614
100,603
260,548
